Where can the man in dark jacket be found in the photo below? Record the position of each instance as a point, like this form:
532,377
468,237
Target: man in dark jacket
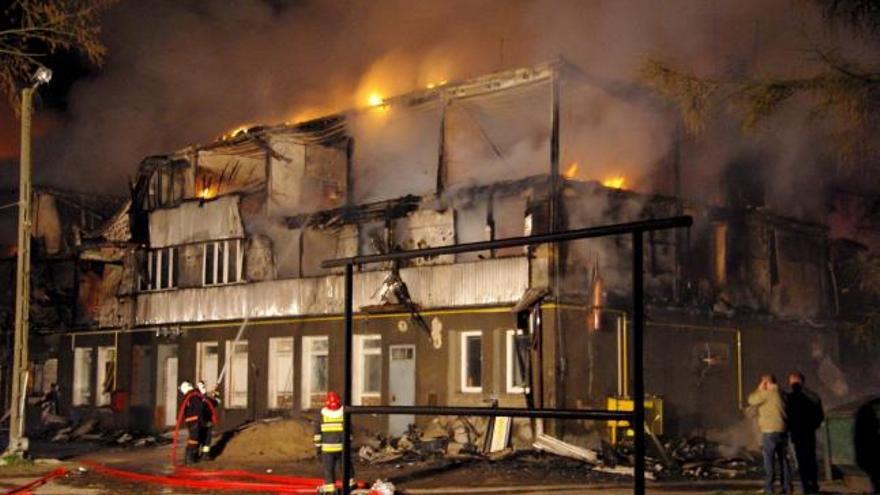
805,415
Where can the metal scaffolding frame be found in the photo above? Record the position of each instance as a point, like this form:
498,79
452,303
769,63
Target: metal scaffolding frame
636,417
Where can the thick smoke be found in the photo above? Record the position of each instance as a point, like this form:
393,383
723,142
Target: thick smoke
180,73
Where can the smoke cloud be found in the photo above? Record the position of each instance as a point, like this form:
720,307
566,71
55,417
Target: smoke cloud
181,73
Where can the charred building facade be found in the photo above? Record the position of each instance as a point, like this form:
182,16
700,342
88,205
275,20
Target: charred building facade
215,264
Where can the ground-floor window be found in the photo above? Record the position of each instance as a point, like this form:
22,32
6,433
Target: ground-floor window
472,361
281,373
368,369
315,364
106,375
236,380
82,376
516,382
207,363
43,376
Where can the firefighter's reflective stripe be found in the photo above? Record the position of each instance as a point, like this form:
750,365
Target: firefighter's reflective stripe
331,427
317,439
192,442
328,488
190,419
331,448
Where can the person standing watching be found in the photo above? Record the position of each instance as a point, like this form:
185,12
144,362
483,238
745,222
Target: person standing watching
771,420
804,415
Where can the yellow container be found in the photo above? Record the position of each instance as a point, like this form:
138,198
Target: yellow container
653,416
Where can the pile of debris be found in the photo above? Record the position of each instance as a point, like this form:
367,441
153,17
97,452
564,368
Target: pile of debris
463,439
88,430
451,438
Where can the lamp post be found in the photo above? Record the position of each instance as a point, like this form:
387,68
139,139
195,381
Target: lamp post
18,442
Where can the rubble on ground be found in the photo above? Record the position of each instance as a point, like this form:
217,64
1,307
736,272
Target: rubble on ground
88,430
459,440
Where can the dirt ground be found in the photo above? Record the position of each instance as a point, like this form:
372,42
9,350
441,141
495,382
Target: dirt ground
289,439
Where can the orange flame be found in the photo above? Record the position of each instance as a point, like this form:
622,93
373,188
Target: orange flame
616,182
375,100
234,133
207,192
571,171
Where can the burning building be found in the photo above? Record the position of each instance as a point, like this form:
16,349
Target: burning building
61,281
215,264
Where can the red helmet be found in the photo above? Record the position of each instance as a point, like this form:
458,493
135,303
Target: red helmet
332,401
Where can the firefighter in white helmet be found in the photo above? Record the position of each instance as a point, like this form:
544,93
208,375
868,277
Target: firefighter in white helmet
192,408
211,402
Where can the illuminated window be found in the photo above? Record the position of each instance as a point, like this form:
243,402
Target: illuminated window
315,363
281,373
106,375
472,361
368,369
207,363
222,262
516,378
236,381
82,376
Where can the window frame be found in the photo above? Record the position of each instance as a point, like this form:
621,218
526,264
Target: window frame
168,273
510,359
360,371
224,268
200,354
272,385
77,397
463,362
103,399
307,353
229,379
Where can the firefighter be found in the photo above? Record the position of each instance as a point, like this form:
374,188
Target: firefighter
192,417
211,401
329,433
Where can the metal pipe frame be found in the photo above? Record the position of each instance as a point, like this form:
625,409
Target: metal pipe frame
637,416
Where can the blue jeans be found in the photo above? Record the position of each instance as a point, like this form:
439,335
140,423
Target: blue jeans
775,447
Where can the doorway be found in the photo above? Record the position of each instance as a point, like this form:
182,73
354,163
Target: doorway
401,385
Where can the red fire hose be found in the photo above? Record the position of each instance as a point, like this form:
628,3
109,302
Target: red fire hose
186,399
27,489
282,485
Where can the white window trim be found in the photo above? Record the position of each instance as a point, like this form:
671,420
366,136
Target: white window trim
307,353
200,352
103,398
227,380
463,361
510,358
226,277
78,399
359,362
166,272
271,386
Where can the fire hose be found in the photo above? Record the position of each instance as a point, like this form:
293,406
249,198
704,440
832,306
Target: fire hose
180,421
281,484
27,489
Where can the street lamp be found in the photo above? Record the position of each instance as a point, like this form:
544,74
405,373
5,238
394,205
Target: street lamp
18,442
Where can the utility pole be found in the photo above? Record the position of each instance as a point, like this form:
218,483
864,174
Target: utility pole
18,442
